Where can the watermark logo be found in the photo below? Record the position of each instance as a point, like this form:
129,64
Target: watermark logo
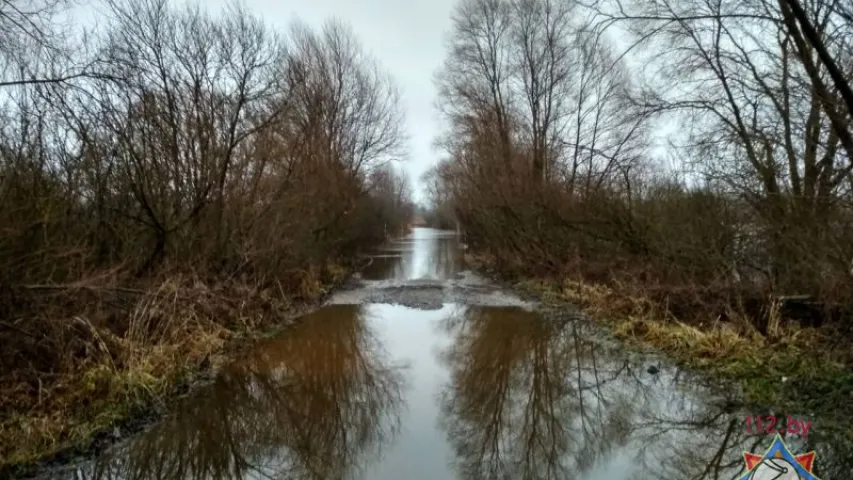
779,464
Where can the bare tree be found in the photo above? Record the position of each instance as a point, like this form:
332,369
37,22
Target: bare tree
358,107
761,120
798,20
475,81
542,31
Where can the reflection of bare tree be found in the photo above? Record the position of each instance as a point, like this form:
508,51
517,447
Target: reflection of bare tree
532,398
446,256
834,449
440,249
526,398
313,403
701,443
693,435
708,442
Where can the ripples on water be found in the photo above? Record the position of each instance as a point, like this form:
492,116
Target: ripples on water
380,391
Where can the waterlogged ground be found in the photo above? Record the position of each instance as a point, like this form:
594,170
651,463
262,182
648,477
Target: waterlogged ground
423,370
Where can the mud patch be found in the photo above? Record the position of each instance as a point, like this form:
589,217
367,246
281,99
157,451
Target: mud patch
429,294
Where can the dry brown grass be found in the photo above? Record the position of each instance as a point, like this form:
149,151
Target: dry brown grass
816,370
120,352
635,316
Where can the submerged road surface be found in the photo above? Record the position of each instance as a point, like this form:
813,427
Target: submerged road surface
420,369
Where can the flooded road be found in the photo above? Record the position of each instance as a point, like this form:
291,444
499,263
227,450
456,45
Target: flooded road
421,369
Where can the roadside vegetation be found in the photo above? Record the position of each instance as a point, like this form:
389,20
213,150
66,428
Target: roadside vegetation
170,181
681,168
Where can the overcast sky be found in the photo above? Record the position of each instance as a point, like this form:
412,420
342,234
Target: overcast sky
406,37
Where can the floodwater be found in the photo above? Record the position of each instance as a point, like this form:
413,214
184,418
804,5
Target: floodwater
423,370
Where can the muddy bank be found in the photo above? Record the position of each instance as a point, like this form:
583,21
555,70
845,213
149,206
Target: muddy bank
131,396
430,294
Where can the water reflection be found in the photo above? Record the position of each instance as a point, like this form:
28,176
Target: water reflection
694,441
525,399
424,254
315,403
530,398
709,445
491,393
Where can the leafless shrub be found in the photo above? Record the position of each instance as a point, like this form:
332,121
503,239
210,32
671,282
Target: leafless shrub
762,209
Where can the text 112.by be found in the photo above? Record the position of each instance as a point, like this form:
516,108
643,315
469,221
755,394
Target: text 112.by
771,425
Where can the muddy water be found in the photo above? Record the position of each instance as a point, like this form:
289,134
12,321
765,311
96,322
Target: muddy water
423,370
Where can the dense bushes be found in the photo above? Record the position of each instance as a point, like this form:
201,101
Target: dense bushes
551,169
182,177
